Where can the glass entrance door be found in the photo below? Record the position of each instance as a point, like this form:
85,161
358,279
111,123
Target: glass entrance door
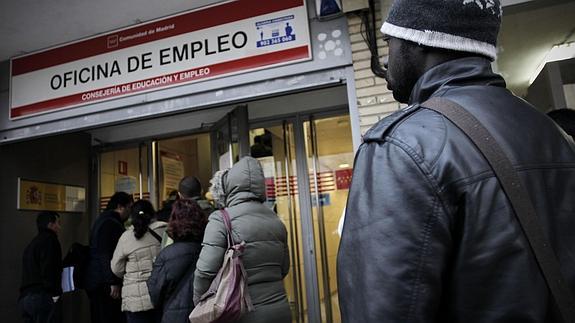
324,146
307,162
274,147
329,150
229,138
123,170
179,157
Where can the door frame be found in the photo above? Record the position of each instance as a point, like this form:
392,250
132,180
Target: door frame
309,248
240,129
96,170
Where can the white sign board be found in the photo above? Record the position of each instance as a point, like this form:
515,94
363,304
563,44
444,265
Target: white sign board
230,38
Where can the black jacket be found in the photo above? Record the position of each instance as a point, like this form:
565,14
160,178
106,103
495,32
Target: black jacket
104,237
429,236
174,269
42,265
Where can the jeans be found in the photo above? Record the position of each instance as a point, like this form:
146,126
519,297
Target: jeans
38,308
149,316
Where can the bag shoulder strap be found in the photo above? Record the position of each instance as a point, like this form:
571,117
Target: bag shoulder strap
228,224
518,197
157,236
238,250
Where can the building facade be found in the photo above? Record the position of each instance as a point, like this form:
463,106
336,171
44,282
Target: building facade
137,108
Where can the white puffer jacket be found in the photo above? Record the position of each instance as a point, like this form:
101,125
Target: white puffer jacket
132,261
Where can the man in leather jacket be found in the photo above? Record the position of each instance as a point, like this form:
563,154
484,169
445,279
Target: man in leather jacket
429,235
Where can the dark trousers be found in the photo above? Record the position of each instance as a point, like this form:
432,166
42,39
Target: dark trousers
142,317
38,308
103,308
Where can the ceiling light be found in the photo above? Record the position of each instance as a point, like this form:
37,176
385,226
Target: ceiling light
343,165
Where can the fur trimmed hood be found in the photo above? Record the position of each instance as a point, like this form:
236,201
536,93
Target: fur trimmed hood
241,183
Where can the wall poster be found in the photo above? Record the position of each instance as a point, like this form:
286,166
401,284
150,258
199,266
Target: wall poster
172,172
42,196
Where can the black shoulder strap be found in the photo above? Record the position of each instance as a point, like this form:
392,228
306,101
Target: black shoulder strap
157,236
518,197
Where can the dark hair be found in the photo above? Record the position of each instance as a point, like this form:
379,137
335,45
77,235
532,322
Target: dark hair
44,218
173,195
187,222
565,118
119,199
190,186
141,214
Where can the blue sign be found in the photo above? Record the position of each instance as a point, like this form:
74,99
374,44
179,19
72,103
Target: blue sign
275,31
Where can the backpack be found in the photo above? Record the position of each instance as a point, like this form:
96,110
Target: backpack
228,298
78,256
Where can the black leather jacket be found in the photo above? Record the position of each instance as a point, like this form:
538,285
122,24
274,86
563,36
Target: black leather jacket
429,235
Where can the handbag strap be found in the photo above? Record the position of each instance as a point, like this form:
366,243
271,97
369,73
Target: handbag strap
518,197
238,250
157,236
228,224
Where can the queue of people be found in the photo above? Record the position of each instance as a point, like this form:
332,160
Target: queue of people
131,277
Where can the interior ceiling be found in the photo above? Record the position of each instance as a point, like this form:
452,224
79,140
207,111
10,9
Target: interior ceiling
527,34
529,30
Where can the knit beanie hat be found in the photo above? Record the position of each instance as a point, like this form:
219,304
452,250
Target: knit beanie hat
460,25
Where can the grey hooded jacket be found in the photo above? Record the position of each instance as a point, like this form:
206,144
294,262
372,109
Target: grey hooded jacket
266,257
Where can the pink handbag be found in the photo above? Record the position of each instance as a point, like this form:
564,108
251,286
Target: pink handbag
228,298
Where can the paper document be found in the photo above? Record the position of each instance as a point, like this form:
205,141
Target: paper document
68,279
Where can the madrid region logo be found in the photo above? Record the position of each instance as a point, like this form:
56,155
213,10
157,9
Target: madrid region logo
275,31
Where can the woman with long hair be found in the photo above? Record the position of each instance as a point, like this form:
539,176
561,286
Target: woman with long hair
171,282
133,258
